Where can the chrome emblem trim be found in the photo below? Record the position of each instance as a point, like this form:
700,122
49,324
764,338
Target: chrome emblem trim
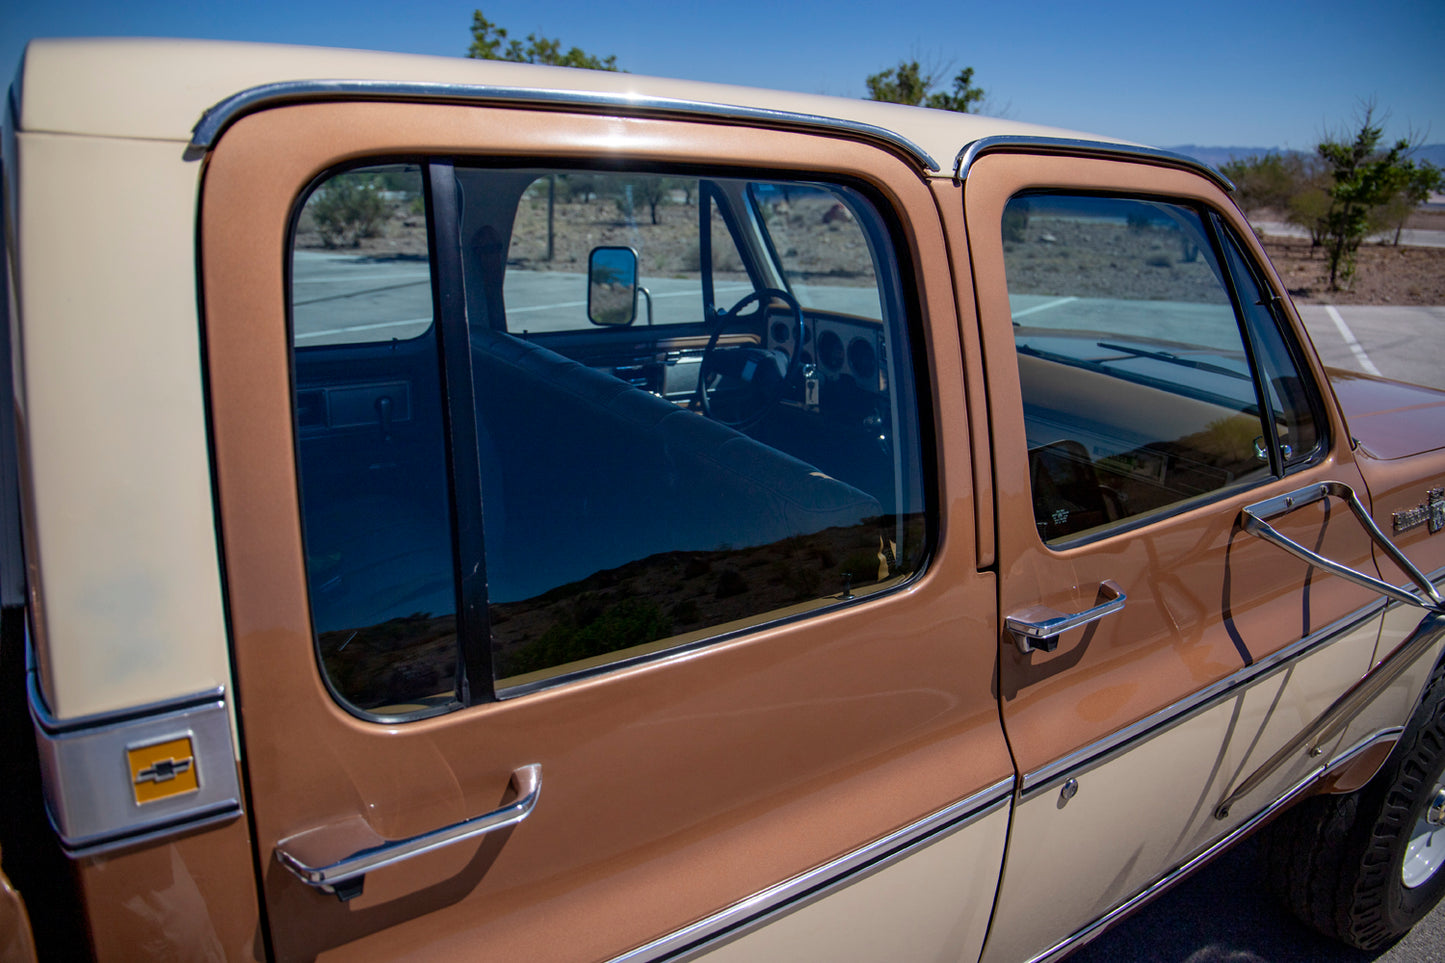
137,775
1430,513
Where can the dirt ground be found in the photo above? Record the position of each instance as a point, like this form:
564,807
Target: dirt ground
1386,274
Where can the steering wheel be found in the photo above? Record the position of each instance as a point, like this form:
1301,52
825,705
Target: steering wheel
745,381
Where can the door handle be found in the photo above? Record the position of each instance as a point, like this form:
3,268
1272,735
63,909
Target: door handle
1039,627
337,857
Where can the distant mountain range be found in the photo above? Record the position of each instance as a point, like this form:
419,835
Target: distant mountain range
1218,156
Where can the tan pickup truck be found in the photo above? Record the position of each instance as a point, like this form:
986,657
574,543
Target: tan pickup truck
462,510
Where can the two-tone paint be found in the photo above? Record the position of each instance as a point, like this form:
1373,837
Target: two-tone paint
164,554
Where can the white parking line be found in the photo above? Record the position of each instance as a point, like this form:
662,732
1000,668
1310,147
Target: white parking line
1351,341
361,327
1042,307
348,278
546,307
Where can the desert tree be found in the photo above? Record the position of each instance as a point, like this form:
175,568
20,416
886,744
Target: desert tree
1421,179
1363,179
490,42
909,83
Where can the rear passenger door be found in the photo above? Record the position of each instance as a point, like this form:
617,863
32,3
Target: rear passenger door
534,660
1147,383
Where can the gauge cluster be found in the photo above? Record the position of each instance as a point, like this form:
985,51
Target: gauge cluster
838,349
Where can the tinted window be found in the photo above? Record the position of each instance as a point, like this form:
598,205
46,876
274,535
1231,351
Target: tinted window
1292,404
621,517
1137,388
370,449
359,262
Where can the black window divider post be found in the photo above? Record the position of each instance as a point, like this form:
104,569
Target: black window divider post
475,680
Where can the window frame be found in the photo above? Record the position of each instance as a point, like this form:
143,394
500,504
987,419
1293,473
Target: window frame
476,680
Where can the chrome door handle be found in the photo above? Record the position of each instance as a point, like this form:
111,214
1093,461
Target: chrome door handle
1039,627
336,858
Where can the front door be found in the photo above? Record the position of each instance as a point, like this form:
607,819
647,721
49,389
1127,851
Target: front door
1147,384
492,571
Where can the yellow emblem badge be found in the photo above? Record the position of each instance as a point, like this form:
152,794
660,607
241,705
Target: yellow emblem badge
162,770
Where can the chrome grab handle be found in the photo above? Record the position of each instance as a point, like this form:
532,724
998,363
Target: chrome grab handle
1256,523
337,857
1039,627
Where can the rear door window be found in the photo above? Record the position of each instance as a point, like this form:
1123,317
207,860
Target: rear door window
622,514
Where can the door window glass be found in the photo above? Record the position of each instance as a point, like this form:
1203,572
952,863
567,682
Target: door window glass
359,269
621,517
1137,388
1292,404
369,444
821,246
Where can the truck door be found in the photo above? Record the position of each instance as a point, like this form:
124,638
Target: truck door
1146,383
535,662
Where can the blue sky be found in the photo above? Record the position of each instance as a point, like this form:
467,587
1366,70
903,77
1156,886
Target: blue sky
1225,73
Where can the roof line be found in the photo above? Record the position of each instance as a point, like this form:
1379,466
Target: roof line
215,120
1083,148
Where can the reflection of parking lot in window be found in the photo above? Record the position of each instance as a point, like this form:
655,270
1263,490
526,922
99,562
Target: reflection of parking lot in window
1136,386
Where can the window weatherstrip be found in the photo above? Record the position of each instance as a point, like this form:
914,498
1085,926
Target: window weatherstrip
474,677
748,914
215,120
973,150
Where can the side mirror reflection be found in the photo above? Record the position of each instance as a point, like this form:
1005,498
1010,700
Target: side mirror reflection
612,286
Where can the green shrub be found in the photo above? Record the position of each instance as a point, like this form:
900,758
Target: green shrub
347,208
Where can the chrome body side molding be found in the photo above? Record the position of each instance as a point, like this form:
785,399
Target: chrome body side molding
214,121
1184,869
133,776
1119,741
1082,148
1332,722
749,914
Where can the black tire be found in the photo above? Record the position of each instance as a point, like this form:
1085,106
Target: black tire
1336,861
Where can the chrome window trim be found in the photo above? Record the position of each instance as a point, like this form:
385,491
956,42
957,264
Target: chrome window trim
1121,740
973,150
215,120
1072,942
748,914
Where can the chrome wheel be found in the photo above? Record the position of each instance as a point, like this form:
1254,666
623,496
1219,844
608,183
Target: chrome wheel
1426,852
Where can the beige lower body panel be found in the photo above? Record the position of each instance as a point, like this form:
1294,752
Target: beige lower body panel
933,904
1143,810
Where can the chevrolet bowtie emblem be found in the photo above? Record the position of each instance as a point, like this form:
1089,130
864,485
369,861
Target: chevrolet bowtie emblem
162,770
1431,513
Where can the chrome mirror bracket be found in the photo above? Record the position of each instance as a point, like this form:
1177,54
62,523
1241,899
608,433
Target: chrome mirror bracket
1256,522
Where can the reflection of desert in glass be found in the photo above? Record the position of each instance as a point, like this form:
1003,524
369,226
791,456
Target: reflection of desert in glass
402,665
672,596
611,303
